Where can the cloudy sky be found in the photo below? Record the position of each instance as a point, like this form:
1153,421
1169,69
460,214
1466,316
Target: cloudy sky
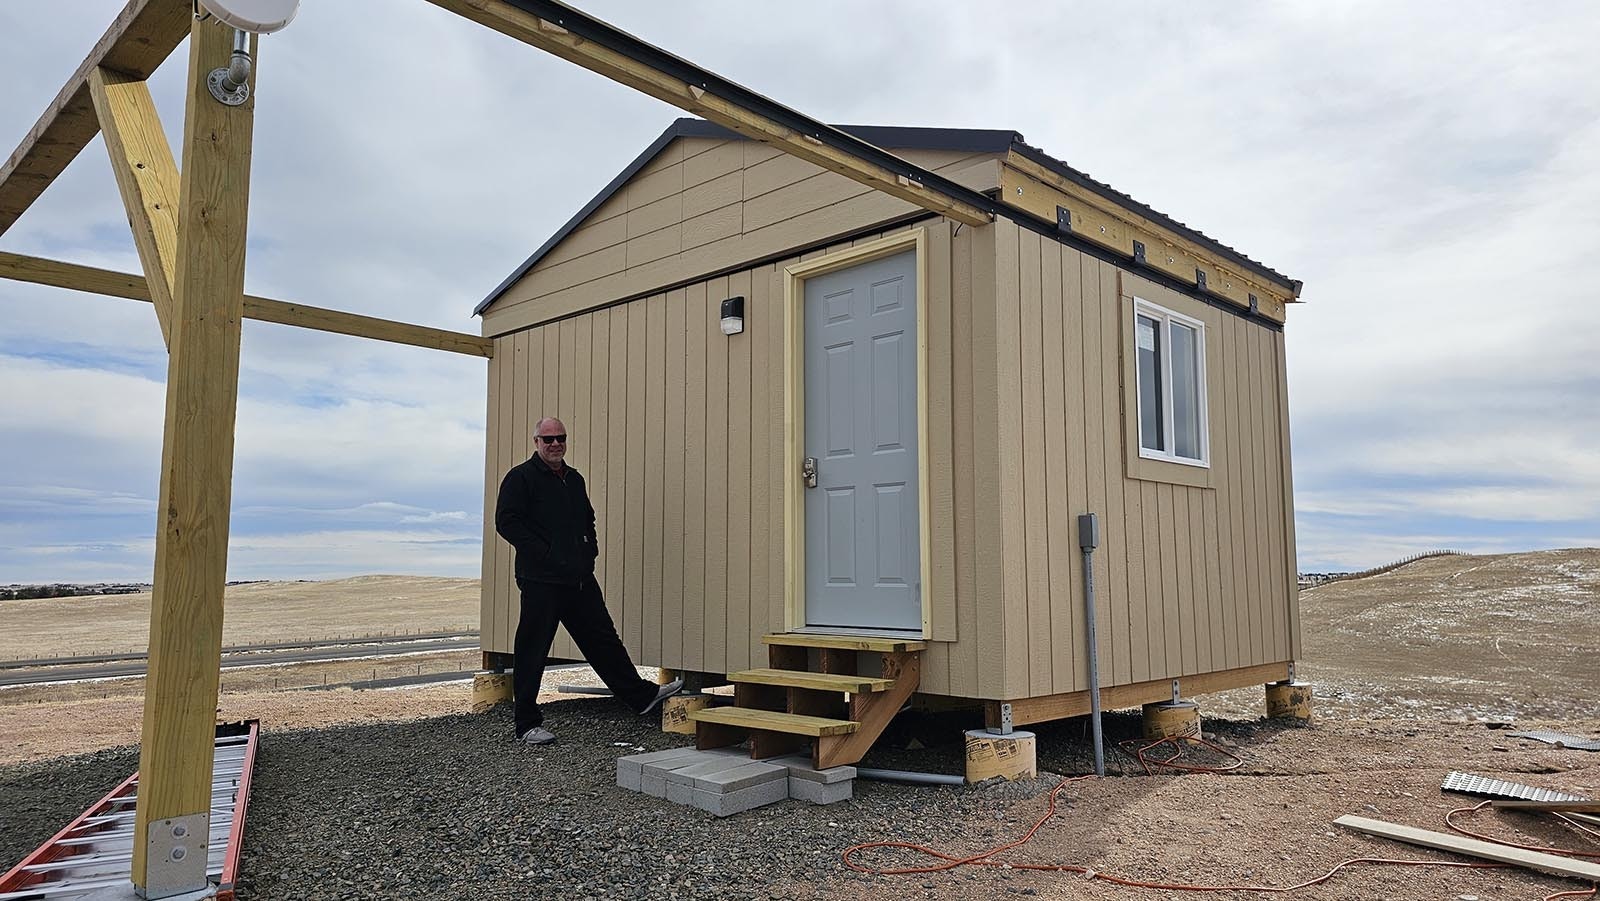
1430,170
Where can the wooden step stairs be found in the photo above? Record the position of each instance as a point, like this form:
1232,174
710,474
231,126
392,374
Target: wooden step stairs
788,705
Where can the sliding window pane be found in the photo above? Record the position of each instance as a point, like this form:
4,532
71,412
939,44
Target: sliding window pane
1186,414
1150,412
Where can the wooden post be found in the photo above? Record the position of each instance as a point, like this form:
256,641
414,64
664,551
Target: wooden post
173,820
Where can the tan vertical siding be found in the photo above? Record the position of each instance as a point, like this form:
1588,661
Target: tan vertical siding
655,395
741,423
679,647
1013,584
941,499
679,429
691,617
1055,500
1068,298
963,672
763,476
714,456
633,571
1291,564
1035,525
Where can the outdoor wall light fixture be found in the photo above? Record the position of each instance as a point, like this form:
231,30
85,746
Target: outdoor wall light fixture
733,316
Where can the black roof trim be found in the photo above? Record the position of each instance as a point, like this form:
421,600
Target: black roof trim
960,140
1083,180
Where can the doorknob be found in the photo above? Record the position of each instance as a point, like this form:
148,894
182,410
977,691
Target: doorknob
808,471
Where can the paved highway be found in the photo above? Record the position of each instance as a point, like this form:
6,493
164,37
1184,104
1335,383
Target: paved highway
70,669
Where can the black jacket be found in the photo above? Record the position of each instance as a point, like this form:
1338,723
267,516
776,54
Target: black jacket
548,519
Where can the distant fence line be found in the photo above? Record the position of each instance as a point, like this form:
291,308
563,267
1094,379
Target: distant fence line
1388,567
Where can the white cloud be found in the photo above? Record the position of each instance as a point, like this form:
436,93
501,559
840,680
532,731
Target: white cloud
1430,170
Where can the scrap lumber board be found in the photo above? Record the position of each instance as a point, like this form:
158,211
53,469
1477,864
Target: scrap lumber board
1562,806
1533,860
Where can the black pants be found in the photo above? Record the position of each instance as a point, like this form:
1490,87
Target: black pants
582,609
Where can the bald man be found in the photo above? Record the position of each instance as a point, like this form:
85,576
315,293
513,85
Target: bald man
545,514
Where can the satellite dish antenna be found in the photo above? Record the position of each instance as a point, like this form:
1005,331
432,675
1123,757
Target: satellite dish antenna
259,16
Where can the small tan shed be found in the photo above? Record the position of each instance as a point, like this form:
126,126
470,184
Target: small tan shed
1082,353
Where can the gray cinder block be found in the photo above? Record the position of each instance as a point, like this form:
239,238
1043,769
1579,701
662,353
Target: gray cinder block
633,763
680,792
747,774
654,786
724,804
820,792
801,768
628,775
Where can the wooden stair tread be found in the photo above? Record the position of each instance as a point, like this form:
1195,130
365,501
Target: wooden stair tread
773,721
820,681
846,642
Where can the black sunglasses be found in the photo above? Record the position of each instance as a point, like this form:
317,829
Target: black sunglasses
552,439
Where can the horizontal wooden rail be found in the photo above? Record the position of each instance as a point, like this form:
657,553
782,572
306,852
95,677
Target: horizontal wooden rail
133,287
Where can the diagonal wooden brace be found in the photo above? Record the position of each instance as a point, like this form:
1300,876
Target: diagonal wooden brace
147,177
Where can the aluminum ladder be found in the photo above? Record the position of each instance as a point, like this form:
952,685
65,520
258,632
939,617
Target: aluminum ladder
94,853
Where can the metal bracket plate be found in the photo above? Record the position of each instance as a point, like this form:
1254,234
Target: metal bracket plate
1005,721
175,862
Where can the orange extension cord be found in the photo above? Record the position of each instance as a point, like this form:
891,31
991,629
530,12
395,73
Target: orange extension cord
986,858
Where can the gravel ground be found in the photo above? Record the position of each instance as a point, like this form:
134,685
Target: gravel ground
452,807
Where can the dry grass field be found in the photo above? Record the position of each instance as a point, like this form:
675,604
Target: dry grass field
1480,637
254,613
1415,671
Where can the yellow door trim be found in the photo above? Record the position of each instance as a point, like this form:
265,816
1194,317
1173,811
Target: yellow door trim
794,532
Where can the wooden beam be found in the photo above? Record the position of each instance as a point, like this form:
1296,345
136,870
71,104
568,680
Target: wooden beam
122,284
1533,860
139,39
1113,697
147,177
553,38
1038,191
196,479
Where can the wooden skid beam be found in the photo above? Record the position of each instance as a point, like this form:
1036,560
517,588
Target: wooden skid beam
1113,697
133,287
1533,860
142,36
196,469
551,37
147,177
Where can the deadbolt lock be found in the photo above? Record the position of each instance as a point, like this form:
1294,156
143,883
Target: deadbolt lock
808,471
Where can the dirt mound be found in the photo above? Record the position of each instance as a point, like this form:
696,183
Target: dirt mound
1502,636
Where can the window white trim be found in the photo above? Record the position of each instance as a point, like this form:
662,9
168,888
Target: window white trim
1166,318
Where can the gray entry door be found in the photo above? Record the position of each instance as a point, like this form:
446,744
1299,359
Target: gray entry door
863,548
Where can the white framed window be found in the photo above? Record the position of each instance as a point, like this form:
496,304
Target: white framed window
1170,362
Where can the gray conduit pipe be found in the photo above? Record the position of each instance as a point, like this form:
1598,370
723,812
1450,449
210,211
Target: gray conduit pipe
1088,539
909,776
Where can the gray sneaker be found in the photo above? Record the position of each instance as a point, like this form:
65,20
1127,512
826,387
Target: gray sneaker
666,691
538,735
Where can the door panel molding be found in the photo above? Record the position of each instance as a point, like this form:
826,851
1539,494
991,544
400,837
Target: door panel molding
793,448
